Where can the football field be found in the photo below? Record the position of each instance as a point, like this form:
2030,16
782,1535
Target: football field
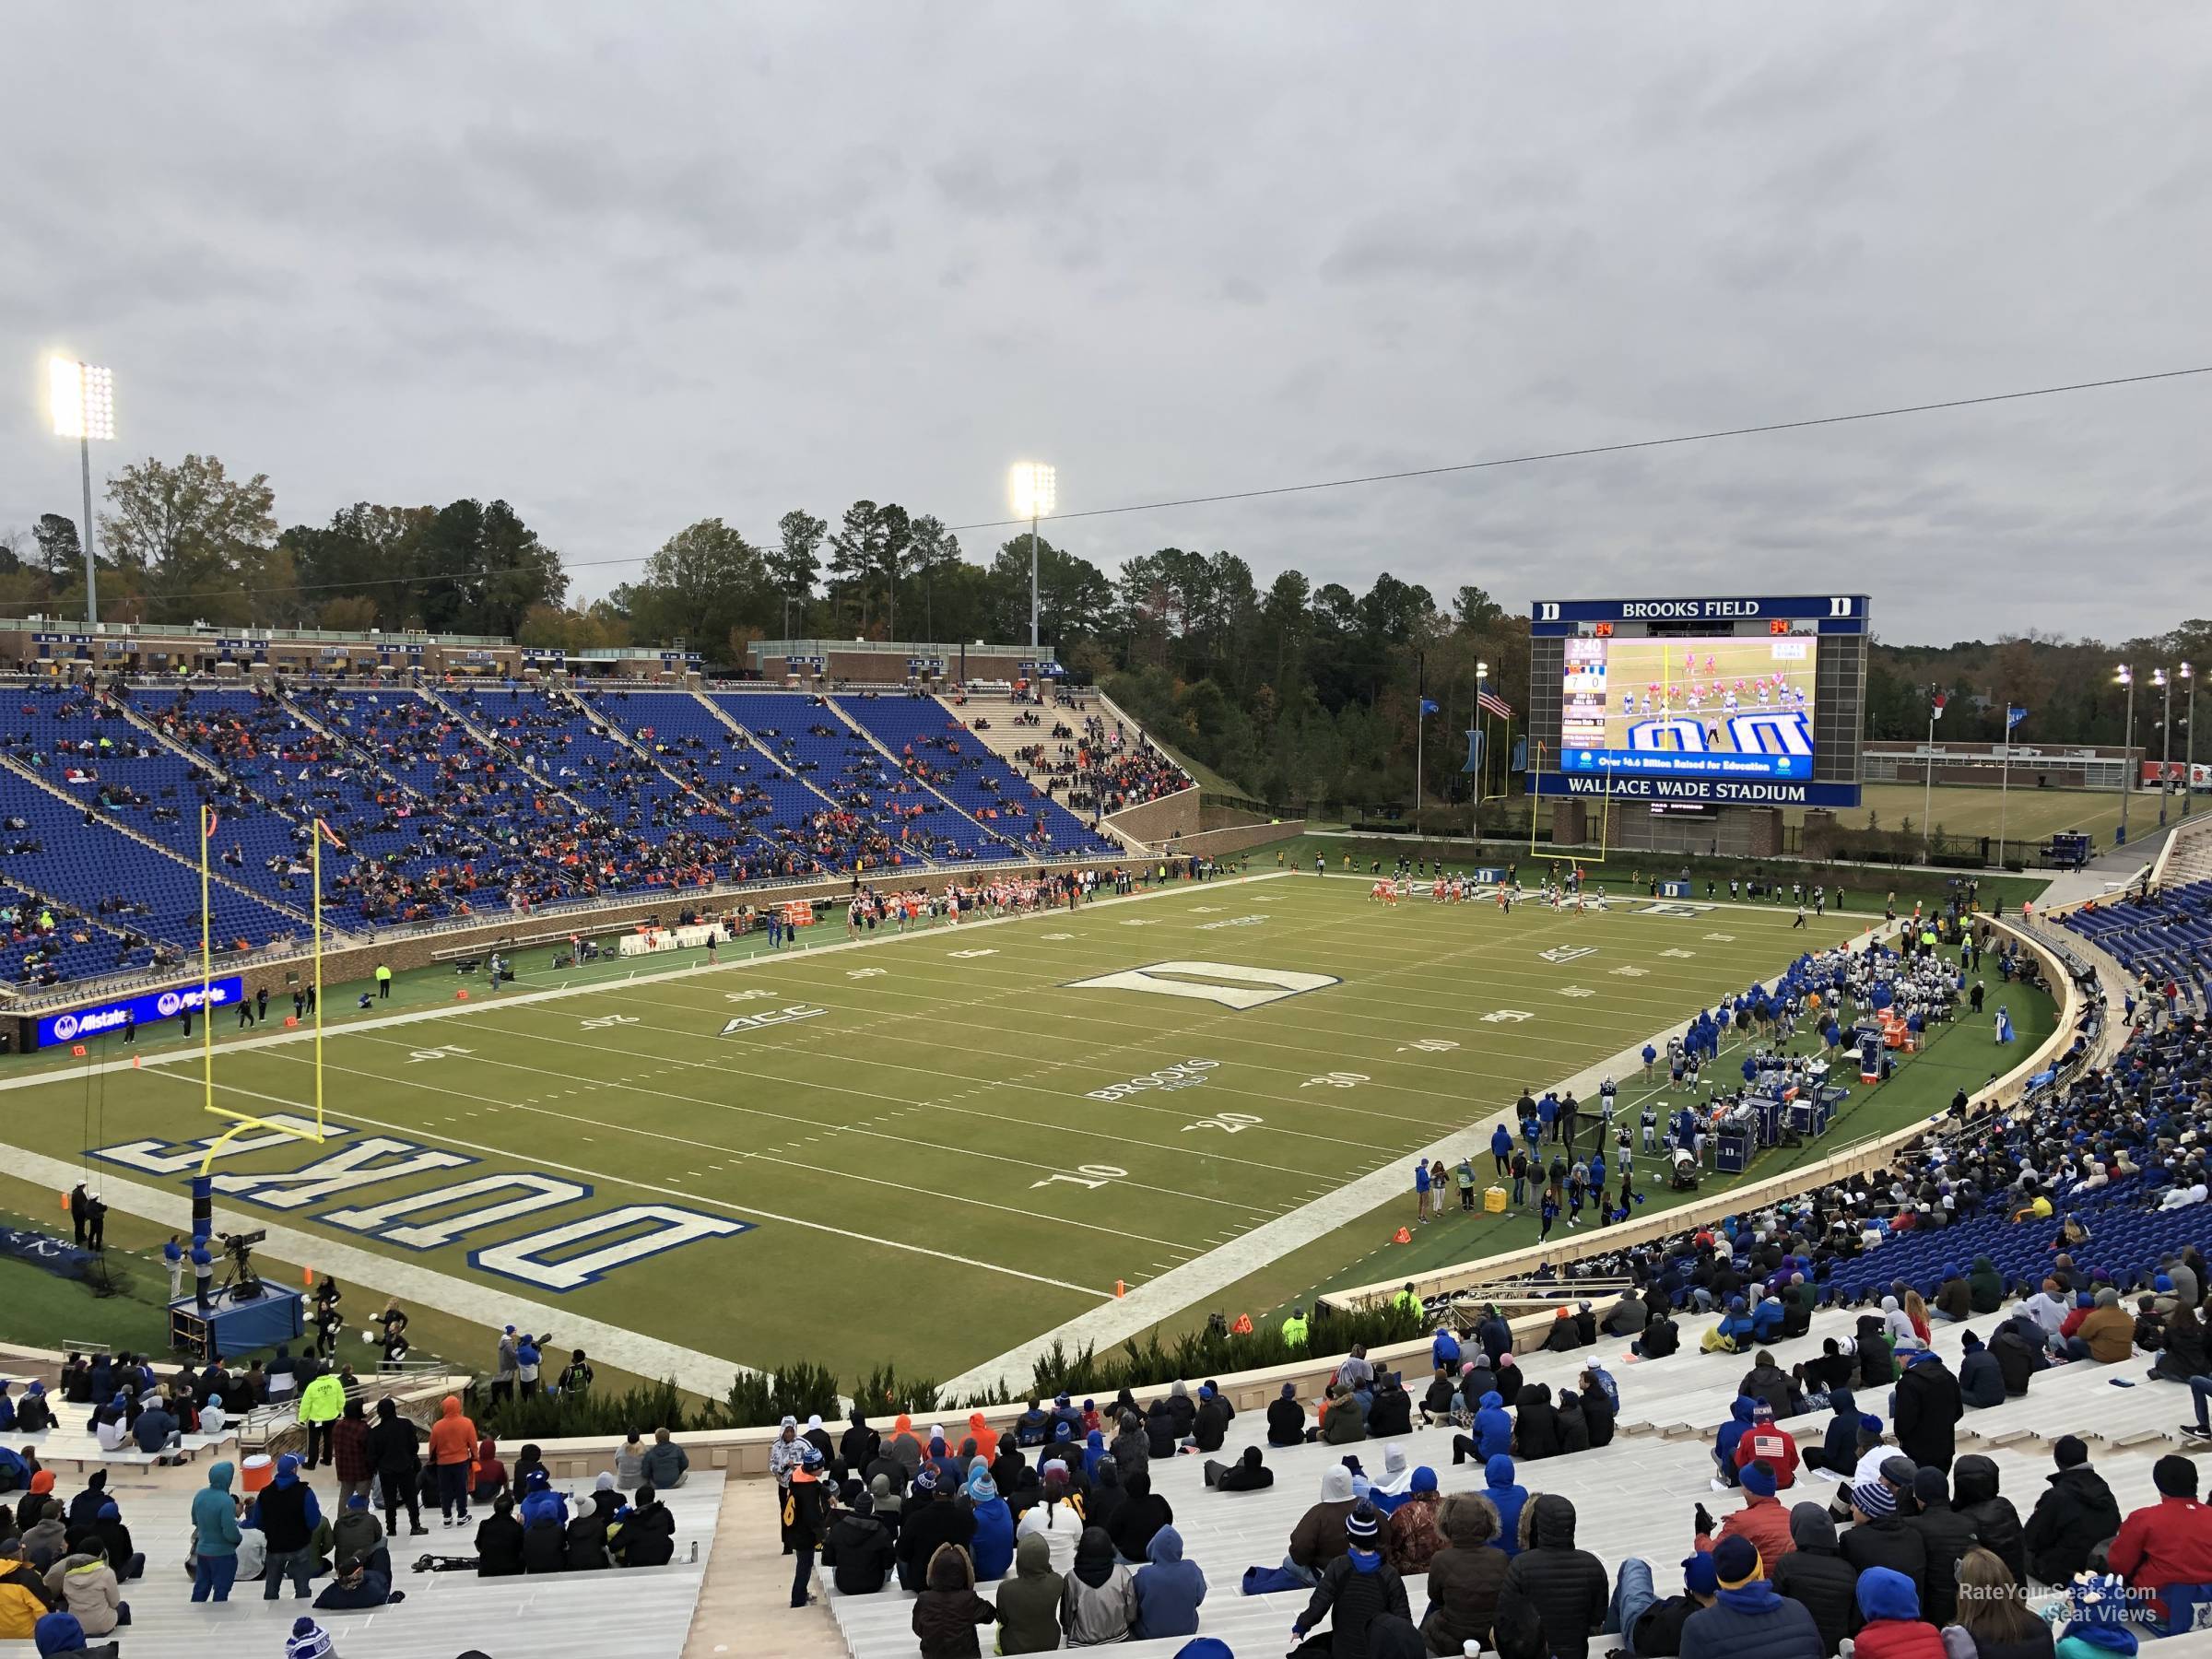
927,1147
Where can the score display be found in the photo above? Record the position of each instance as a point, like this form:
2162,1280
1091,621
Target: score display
1726,707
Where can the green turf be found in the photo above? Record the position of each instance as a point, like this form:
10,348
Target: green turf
2028,815
938,1102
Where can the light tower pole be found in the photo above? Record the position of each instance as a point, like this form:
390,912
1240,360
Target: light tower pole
84,408
2127,755
2164,681
2189,743
1034,488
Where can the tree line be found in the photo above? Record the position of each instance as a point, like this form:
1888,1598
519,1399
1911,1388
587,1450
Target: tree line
1293,693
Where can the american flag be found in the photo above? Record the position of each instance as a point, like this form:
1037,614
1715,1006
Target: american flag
1494,704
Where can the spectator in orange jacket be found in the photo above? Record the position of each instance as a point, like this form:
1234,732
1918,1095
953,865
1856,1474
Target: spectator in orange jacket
452,1450
2168,1542
1762,1521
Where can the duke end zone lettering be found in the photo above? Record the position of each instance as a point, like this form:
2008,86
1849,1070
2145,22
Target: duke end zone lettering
1718,792
564,1256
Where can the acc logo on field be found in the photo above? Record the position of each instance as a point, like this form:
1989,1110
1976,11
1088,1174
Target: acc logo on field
1231,984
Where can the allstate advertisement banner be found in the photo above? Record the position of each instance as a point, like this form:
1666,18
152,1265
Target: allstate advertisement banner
80,1023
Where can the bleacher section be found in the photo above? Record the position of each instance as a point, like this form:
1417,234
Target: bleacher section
2165,937
1635,1496
466,800
924,735
553,1615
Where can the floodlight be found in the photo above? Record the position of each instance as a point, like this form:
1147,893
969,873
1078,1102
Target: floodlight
1034,488
83,398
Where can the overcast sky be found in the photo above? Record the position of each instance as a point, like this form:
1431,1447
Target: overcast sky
632,265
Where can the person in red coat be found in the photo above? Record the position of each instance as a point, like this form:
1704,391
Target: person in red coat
1769,1442
2168,1542
1893,1627
1762,1521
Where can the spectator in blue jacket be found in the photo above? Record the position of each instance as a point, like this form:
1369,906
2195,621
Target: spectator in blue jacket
991,1548
1747,1620
1506,1497
1169,1589
155,1428
1723,1443
1493,1427
1766,1319
1443,1353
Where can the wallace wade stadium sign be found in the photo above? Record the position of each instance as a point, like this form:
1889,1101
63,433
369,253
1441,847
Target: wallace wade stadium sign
1718,792
156,1005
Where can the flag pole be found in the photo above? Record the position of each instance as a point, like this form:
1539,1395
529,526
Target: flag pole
1928,775
2004,785
1420,730
316,863
206,973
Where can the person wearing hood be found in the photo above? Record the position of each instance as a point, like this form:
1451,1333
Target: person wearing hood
1411,1535
34,1413
1169,1589
46,1540
1390,1411
544,1526
2108,1333
2075,1514
86,1585
84,1509
1465,1575
1493,1435
1106,1496
452,1450
585,1540
1248,1473
1507,1496
1141,1514
1946,1536
992,1548
857,1448
2168,1542
1762,1519
1536,1425
23,1597
1162,1434
2018,1350
214,1536
1574,1429
1029,1603
61,1635
285,1514
644,1534
1995,1620
1767,1381
1098,1597
391,1451
1749,1619
1209,1428
904,1445
1601,1407
1319,1537
948,1610
1661,1339
1358,1588
500,1541
1387,1491
1838,1450
1996,1524
1929,1407
1565,1586
1815,1574
1981,1379
1954,1296
1726,1442
1890,1626
933,1519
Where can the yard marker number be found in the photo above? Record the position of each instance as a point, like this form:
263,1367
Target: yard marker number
444,1052
1506,1017
1087,1175
1576,991
1335,1080
604,1021
1229,1122
1429,1045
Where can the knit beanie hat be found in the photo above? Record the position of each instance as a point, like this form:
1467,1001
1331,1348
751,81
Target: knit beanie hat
2069,1451
1698,1576
1758,1477
307,1640
1874,1499
1735,1562
2174,1476
1362,1524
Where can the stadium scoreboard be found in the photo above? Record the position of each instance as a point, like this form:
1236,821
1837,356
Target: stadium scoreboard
1725,701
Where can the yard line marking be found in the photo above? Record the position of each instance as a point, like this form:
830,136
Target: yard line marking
538,1160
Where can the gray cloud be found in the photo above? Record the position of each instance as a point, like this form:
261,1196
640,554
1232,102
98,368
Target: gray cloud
628,267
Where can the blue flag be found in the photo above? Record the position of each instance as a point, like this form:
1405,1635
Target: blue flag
1519,754
1473,752
1429,706
2004,1026
2013,716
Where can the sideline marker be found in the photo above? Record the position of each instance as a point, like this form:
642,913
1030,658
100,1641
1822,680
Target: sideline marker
1120,1289
1404,1237
460,995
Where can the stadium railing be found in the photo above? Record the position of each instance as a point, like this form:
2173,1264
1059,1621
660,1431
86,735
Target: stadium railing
1858,1158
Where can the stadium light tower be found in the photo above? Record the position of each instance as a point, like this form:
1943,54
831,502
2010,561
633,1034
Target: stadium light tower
84,408
2164,681
2127,764
2189,747
1034,487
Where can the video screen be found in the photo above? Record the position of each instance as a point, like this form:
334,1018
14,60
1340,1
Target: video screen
1688,708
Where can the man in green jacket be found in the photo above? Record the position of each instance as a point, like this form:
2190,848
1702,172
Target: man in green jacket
322,1402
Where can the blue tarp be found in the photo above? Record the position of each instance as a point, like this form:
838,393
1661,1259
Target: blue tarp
46,1251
